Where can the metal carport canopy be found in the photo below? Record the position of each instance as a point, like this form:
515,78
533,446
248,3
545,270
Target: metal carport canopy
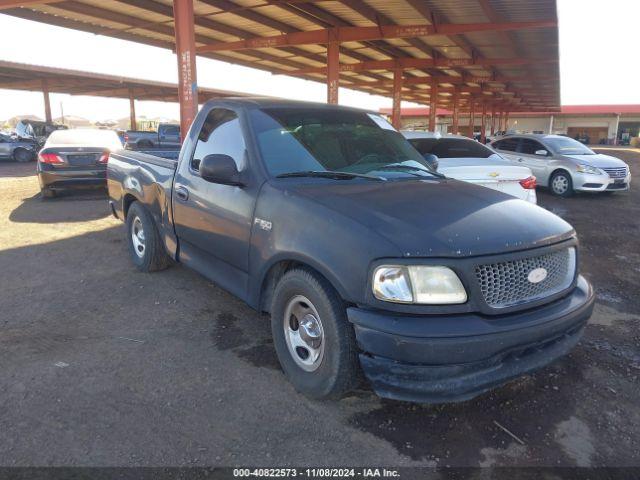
22,76
495,56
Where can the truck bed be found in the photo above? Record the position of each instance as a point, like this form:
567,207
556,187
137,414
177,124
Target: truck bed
163,158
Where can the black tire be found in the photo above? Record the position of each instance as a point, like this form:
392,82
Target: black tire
22,156
338,370
561,184
48,193
152,257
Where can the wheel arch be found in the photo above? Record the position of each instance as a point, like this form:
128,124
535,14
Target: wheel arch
276,269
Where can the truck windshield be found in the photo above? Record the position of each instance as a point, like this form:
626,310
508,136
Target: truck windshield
301,140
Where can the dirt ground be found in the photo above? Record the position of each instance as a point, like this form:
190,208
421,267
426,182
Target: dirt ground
102,365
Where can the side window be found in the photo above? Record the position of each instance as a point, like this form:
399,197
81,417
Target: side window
529,147
423,145
172,130
221,134
508,144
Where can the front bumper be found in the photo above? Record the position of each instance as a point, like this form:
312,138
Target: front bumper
457,357
600,183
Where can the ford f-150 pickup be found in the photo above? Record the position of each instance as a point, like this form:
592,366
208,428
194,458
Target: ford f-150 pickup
366,259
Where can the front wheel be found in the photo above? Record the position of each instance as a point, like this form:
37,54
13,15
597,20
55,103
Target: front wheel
143,240
561,184
313,339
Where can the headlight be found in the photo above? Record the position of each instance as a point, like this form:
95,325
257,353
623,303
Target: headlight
588,169
418,284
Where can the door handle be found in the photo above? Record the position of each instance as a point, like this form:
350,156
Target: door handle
182,193
520,159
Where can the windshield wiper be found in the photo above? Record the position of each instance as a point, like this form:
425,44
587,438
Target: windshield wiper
396,166
337,175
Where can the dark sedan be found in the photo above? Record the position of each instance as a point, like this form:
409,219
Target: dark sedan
75,158
16,148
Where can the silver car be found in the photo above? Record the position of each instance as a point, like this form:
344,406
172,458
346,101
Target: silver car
564,164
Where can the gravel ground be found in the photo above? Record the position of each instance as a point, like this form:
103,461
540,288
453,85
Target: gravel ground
102,365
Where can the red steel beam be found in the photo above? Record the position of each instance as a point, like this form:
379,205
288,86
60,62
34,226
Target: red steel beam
6,4
47,100
456,110
472,118
132,110
359,34
411,62
396,112
186,53
433,107
333,71
483,123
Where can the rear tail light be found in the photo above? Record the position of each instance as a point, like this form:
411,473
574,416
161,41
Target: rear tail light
104,158
50,158
126,137
528,183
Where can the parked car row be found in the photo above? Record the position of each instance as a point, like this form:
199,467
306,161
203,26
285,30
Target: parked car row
564,164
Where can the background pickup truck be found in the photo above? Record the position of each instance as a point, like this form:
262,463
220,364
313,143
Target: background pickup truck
367,260
167,136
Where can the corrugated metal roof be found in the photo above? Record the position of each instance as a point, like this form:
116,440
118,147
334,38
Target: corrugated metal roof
533,84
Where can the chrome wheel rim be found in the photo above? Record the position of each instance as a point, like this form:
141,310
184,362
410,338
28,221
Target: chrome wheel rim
137,237
560,184
303,333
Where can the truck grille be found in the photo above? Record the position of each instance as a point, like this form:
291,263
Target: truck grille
618,172
506,284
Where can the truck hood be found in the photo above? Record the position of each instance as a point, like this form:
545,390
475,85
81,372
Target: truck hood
598,160
440,218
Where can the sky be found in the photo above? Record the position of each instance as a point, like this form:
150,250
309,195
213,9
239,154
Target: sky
598,65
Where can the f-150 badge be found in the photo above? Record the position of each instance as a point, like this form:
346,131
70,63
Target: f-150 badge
263,224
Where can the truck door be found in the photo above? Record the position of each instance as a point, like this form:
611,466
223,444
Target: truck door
169,135
213,221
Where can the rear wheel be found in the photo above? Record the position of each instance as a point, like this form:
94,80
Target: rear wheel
561,184
21,155
143,240
313,338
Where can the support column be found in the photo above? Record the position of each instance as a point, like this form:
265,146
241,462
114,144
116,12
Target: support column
506,121
433,106
396,111
472,117
615,140
132,110
500,113
186,52
333,71
456,111
551,124
493,119
47,101
483,123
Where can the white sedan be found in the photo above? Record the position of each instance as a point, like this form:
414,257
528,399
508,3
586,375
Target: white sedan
467,160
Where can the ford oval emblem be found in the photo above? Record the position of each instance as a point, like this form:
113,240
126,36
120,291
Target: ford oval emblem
537,275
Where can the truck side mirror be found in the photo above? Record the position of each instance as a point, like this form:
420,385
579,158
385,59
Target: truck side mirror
220,168
432,160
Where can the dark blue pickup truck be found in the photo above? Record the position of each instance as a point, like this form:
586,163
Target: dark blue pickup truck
366,259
